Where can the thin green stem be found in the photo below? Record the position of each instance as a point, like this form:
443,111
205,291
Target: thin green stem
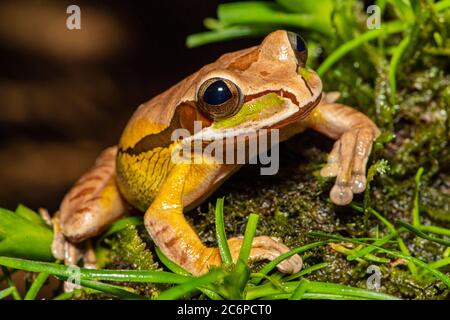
403,248
91,274
366,250
423,235
15,292
435,230
36,286
6,292
266,13
445,279
349,252
172,266
249,234
307,271
416,209
116,291
395,60
316,287
221,235
300,291
389,28
196,283
71,294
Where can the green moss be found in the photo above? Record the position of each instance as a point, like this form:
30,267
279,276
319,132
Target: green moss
128,250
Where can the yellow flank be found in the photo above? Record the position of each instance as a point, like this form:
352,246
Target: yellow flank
140,176
140,128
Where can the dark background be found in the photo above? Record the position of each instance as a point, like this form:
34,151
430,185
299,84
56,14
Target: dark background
67,94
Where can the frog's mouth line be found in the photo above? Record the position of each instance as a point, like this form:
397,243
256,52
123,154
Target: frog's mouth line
302,113
294,112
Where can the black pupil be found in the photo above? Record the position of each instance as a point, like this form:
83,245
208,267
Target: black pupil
301,46
217,93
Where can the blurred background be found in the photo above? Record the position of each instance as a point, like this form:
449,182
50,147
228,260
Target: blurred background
67,94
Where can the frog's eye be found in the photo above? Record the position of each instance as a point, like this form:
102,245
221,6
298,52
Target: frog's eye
219,98
299,47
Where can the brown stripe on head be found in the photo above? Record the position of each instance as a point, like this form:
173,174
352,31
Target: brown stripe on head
244,62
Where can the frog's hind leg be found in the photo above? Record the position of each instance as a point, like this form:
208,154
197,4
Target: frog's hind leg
91,205
171,232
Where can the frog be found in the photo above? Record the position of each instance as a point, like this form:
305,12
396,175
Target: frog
267,86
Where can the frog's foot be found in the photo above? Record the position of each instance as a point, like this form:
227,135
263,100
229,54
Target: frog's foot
90,206
263,248
267,248
347,162
71,253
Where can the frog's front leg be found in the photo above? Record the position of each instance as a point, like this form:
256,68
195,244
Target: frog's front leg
171,232
355,134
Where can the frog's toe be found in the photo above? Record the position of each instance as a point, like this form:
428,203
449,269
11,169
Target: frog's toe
347,161
331,169
358,183
269,248
291,265
341,195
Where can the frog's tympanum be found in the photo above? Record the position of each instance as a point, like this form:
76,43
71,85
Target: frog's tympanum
262,87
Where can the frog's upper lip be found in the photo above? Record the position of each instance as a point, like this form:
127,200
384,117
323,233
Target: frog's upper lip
302,113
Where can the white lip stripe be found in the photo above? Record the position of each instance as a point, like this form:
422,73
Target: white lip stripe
211,133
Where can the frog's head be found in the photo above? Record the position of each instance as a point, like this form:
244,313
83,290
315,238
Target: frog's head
267,86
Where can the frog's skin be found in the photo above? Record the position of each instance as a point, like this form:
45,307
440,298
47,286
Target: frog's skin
139,171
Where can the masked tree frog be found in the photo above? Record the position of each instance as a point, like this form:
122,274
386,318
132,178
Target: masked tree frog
266,86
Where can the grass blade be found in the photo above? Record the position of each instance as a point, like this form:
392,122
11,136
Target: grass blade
416,209
6,292
266,13
222,241
36,286
395,60
388,28
307,271
423,235
445,279
332,290
111,289
90,274
194,284
249,234
15,292
172,266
